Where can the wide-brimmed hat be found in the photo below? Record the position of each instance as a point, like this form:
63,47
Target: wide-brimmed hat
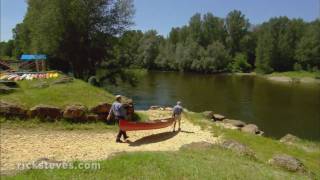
118,97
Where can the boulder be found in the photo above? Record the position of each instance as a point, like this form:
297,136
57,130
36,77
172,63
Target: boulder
290,139
92,117
197,145
46,112
218,117
233,122
287,162
260,133
208,114
75,112
11,109
250,128
63,80
168,108
238,148
226,125
5,89
102,108
154,107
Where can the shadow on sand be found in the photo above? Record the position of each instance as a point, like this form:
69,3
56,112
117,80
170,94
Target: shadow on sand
153,138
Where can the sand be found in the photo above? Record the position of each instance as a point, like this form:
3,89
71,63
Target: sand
28,145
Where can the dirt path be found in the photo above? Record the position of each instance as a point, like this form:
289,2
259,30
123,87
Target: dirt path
29,145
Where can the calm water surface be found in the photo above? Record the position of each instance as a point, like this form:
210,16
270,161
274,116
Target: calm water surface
277,108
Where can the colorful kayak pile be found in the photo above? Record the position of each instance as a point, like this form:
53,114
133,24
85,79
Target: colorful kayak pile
28,76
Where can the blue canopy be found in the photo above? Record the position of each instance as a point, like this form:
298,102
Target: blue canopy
31,57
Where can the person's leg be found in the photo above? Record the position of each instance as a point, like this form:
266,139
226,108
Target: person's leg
179,121
119,136
125,136
174,124
119,132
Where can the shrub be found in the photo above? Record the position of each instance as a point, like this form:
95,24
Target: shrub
297,67
240,63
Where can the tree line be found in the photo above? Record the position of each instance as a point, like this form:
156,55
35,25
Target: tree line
210,44
91,37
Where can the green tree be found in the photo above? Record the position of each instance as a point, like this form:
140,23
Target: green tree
237,27
81,33
149,49
308,49
217,58
277,41
240,63
213,30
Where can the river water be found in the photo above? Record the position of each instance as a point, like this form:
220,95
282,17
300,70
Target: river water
277,108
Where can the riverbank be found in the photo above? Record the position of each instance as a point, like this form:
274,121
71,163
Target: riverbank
294,77
201,150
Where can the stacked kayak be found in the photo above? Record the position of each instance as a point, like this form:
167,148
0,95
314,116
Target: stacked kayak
28,76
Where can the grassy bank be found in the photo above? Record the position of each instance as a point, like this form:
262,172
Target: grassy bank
306,151
296,74
59,95
213,163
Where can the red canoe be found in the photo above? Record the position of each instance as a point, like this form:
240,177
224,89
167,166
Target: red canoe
135,126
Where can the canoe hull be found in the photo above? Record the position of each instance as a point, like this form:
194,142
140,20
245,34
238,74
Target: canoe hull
137,126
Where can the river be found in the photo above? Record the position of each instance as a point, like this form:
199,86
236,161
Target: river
277,108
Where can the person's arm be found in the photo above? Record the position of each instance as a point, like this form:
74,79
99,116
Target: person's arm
173,111
111,109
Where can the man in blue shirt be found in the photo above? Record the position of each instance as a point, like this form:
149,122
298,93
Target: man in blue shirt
119,112
176,114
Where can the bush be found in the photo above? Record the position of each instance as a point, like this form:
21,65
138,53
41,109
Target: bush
297,67
240,63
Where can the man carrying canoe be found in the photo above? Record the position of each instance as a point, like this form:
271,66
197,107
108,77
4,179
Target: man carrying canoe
118,111
176,114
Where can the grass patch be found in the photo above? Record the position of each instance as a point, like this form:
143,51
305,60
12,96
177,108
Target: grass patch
59,95
265,147
297,74
214,163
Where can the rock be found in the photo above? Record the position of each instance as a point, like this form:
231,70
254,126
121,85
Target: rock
236,123
197,145
5,89
289,139
250,128
238,148
218,117
11,109
260,133
168,108
63,80
92,117
287,162
102,108
75,112
226,125
41,85
154,107
208,114
46,112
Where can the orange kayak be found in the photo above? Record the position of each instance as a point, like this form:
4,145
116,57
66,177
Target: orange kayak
148,125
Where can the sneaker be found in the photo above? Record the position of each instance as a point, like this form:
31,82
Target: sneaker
126,137
118,141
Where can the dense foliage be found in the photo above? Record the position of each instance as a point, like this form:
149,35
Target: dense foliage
209,44
90,37
77,35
